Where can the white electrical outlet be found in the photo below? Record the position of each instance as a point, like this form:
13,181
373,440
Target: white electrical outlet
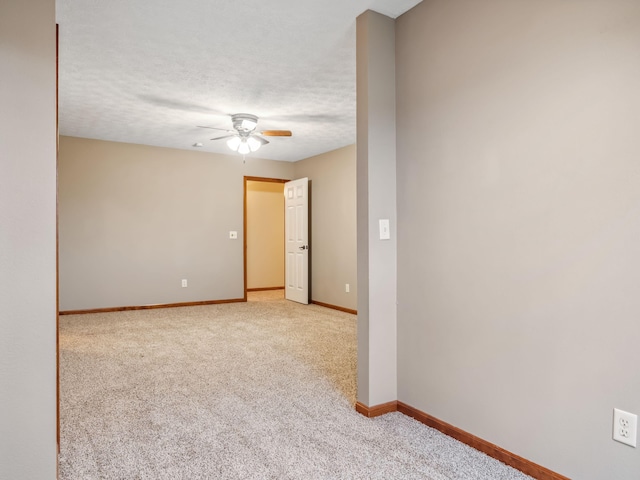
184,283
346,287
625,427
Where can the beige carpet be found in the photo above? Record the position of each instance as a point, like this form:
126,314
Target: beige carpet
257,390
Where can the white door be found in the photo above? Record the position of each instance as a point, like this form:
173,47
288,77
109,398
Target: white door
296,226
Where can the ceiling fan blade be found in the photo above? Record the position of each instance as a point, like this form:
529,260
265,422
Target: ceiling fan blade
262,140
216,128
276,133
224,136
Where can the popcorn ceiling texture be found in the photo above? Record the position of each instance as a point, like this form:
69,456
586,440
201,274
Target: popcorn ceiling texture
256,390
150,71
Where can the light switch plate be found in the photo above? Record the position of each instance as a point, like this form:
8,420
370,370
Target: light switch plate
233,235
385,233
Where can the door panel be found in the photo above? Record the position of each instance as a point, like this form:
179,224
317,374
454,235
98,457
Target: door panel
296,195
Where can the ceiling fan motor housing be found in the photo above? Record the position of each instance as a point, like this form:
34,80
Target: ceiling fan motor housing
244,122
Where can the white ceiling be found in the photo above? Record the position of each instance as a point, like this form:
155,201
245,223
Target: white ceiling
150,71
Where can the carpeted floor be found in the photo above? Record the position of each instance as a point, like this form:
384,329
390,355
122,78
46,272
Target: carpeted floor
256,390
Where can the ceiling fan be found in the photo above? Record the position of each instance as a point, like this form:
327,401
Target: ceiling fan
244,138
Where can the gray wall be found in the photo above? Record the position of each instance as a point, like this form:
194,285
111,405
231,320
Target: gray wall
135,220
376,199
27,240
333,225
518,217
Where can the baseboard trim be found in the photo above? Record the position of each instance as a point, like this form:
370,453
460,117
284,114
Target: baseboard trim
525,466
264,289
335,307
149,307
376,410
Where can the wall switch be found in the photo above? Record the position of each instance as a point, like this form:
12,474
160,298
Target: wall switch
184,283
385,233
233,235
346,287
625,427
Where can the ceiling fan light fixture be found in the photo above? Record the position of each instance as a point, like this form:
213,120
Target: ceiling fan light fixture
254,143
243,149
233,143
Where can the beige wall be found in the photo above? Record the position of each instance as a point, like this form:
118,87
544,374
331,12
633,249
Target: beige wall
518,215
136,220
332,177
27,240
265,234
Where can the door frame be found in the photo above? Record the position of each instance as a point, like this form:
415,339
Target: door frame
57,242
244,224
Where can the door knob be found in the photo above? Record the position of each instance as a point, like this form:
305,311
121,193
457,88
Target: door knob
304,247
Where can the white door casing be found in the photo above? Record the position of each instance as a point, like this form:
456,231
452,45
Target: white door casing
296,223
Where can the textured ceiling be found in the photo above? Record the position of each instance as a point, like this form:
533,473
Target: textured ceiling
150,71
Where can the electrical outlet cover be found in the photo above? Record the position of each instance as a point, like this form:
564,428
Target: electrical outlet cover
625,427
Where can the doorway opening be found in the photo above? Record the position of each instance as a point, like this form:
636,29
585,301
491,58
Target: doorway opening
264,260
